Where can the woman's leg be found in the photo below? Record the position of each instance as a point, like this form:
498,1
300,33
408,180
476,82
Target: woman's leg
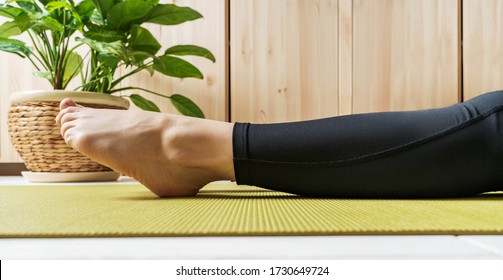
454,151
449,152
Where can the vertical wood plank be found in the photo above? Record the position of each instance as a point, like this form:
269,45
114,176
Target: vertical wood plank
406,54
283,60
482,46
211,93
345,57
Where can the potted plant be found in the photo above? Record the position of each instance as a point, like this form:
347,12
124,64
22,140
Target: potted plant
90,39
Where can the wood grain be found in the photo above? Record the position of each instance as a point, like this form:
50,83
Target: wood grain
406,54
345,57
284,60
482,46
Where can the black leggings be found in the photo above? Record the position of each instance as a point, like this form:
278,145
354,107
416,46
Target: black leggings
449,152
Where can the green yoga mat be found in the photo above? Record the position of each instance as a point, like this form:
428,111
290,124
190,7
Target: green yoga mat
227,209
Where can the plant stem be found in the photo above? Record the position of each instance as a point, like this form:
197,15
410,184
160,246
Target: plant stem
65,61
48,48
83,76
49,57
60,56
45,62
120,79
139,88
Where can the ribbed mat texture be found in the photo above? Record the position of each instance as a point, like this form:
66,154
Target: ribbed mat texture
227,209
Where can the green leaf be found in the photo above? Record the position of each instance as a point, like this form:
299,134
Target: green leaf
14,46
137,58
44,2
85,8
43,74
25,21
186,106
9,11
48,23
37,22
103,35
143,103
170,14
110,61
142,40
122,15
55,5
176,67
103,6
29,5
190,50
153,2
9,29
112,48
105,82
73,66
96,18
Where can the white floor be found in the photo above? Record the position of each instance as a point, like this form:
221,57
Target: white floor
266,247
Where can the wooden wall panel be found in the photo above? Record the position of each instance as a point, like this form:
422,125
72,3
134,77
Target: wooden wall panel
406,54
303,59
210,32
482,46
284,63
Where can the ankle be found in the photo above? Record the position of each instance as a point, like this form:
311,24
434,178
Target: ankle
200,144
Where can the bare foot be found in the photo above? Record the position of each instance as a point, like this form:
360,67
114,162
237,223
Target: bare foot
169,154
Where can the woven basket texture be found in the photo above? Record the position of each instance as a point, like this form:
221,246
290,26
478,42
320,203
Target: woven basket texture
36,136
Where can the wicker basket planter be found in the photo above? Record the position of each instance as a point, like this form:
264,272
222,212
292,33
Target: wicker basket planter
37,138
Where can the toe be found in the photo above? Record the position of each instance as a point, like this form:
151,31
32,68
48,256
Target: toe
66,106
65,103
64,130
